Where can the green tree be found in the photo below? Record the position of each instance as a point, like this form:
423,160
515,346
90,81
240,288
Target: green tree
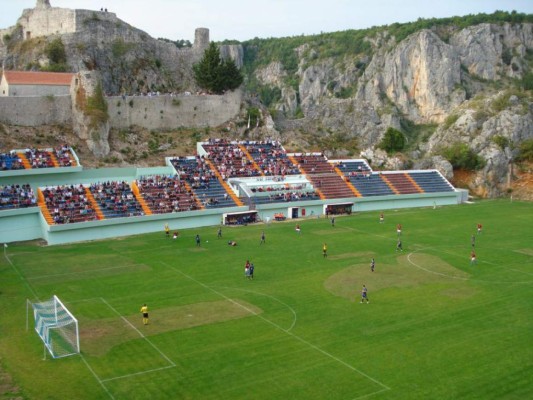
394,140
214,74
463,157
231,77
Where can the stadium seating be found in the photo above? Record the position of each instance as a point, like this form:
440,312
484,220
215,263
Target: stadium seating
271,158
324,177
167,194
17,196
10,161
401,183
203,182
116,199
431,181
69,203
230,159
371,184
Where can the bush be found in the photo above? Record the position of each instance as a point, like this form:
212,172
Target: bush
55,51
525,150
96,107
501,141
119,48
463,157
527,81
269,95
450,120
394,140
254,115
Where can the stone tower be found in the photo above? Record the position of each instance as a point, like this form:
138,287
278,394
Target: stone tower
43,4
201,38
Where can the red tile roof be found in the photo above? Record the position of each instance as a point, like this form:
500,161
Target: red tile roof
38,78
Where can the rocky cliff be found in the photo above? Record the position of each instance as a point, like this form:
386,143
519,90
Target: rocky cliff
438,86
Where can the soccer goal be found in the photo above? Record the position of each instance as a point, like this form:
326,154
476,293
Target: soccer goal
56,326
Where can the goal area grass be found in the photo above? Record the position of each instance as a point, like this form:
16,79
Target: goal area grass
436,325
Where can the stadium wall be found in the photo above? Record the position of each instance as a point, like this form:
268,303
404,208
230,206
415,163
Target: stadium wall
361,204
29,224
20,225
117,227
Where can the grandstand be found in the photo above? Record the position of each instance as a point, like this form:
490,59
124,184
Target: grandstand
224,179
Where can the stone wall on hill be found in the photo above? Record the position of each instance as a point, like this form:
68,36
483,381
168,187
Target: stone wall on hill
35,111
170,112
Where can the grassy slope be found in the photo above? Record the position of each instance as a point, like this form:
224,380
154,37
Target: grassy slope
435,328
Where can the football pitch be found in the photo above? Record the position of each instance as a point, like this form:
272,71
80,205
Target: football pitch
435,327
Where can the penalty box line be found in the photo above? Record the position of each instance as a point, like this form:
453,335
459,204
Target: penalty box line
309,344
172,364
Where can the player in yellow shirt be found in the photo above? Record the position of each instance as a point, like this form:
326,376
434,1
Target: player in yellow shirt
144,311
325,250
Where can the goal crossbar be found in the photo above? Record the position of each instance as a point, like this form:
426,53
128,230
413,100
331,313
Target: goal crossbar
57,327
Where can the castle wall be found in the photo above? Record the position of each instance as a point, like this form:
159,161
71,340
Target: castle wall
47,21
170,112
36,90
83,17
35,111
157,112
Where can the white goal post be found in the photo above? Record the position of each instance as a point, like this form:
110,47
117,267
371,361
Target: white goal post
56,326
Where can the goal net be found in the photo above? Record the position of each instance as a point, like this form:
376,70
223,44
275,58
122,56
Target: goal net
56,327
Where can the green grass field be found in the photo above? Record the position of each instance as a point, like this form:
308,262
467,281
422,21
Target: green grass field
436,327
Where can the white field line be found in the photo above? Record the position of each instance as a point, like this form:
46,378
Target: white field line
78,272
366,396
138,373
139,332
458,277
101,382
22,277
270,297
312,346
81,355
490,263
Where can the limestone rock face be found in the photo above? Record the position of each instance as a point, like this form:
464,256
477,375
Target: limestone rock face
233,52
94,132
490,51
421,76
443,78
273,74
436,162
480,126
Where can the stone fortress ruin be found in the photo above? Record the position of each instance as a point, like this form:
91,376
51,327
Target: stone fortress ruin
45,20
129,90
